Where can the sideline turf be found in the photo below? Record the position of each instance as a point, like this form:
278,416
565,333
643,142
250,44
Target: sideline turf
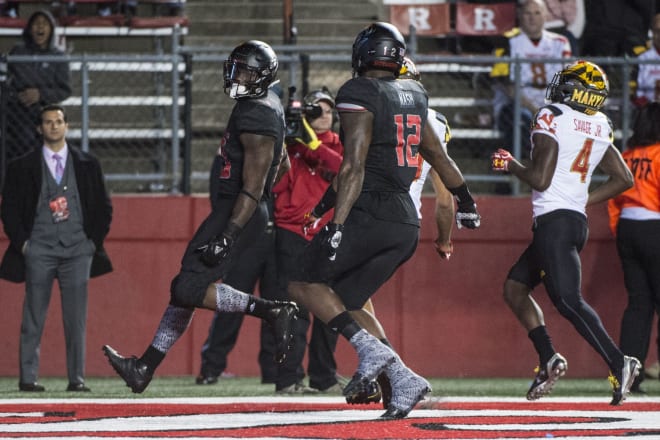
113,387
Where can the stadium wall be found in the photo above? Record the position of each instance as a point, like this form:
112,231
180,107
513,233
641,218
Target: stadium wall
446,318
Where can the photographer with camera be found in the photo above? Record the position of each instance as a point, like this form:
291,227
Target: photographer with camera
315,153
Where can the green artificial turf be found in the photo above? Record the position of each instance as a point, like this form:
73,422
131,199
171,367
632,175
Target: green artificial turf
162,387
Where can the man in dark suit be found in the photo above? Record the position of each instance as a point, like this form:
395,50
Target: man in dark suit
56,213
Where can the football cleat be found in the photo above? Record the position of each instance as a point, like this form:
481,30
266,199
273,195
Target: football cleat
373,357
281,319
370,393
621,384
134,372
546,378
407,391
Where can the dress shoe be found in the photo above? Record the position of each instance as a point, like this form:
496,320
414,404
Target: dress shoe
206,379
31,387
78,387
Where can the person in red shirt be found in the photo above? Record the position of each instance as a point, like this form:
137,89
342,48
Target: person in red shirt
315,159
635,220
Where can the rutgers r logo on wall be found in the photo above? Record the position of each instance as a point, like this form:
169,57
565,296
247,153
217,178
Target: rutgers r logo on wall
432,17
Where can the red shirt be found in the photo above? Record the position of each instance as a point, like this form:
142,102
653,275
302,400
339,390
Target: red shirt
302,187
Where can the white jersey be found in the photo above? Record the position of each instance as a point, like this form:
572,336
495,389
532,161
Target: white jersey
648,76
441,128
583,140
534,76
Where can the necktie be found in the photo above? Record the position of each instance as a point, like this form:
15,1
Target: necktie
59,168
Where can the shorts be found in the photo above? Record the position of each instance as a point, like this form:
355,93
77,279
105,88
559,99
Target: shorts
370,252
188,288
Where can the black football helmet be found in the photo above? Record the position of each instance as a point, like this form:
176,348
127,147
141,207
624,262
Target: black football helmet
581,85
249,70
378,46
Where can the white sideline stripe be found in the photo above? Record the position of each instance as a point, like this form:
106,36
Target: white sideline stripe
123,100
621,418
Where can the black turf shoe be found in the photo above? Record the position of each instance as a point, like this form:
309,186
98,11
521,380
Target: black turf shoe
281,319
31,387
134,372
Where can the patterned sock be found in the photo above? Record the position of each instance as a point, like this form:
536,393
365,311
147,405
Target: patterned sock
172,325
228,299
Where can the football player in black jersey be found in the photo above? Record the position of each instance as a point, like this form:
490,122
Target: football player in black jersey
242,176
375,227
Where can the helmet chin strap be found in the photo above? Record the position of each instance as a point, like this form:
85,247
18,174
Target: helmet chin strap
237,90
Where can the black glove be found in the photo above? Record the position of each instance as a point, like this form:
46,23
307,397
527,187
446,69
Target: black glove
331,239
215,250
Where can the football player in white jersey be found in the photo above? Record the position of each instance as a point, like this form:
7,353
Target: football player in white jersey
570,138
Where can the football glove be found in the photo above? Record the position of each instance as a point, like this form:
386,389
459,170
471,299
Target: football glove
500,160
467,216
331,239
444,249
310,221
215,250
309,138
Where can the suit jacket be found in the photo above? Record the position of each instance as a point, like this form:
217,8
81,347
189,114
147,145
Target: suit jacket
18,208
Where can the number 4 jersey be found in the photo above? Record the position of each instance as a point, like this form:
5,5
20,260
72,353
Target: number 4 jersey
399,108
583,140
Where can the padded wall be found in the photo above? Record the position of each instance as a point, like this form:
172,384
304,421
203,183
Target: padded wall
446,318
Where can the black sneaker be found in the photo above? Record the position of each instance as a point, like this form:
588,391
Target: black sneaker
281,319
134,372
547,377
369,393
622,382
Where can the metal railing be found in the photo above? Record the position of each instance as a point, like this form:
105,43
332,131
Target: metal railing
167,112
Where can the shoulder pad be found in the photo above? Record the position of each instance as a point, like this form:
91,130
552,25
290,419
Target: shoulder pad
555,110
440,117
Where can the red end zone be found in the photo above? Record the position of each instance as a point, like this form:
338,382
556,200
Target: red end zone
325,418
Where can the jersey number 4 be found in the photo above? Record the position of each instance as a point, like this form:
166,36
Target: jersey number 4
581,163
405,155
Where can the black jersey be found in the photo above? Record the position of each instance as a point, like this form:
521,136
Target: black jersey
263,116
400,110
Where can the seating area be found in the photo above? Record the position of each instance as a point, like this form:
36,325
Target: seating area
123,14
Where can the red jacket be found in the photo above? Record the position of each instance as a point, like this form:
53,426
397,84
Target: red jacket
301,188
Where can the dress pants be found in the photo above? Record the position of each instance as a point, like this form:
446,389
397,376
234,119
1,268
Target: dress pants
70,266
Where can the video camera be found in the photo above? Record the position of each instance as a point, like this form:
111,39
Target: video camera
295,110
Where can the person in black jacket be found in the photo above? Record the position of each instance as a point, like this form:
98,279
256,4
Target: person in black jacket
33,84
56,212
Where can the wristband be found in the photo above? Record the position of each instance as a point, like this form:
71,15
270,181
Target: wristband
232,230
327,202
462,194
